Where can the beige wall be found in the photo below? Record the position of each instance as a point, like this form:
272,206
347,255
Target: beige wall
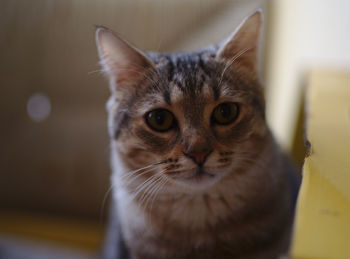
306,34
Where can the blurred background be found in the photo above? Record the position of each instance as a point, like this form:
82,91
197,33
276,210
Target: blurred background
54,162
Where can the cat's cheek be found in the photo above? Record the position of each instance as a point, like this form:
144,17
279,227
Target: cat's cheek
232,135
158,143
228,136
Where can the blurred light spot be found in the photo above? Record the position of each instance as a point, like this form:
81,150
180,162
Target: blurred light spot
39,107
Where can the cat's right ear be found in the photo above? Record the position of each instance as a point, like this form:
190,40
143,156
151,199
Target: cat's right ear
124,64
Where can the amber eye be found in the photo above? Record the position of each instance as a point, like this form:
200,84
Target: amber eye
225,113
160,120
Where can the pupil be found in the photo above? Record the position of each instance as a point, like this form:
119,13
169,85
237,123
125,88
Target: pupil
225,110
160,117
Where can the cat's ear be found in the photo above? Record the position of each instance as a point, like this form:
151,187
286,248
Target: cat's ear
242,46
124,63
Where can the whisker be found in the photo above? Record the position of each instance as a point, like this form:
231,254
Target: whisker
155,193
127,178
96,71
149,191
145,185
133,173
105,199
161,186
132,177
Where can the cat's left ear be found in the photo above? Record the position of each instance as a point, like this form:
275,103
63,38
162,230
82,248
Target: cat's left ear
242,46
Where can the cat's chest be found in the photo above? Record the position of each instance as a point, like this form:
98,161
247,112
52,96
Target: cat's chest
197,211
179,220
178,223
203,222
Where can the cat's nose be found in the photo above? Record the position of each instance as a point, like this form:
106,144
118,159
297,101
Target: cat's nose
198,157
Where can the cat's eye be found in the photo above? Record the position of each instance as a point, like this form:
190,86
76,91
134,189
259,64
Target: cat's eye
225,113
160,120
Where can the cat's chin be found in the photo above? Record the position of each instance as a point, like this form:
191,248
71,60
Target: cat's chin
198,180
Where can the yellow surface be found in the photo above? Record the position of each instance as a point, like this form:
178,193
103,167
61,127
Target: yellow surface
78,233
322,228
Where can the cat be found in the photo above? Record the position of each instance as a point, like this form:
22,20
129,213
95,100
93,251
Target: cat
196,170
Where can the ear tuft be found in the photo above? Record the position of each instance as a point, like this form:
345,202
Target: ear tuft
242,45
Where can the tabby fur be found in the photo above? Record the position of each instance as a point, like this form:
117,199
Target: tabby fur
233,196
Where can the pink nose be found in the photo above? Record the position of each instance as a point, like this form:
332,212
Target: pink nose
198,157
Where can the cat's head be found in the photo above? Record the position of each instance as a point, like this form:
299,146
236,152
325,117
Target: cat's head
188,118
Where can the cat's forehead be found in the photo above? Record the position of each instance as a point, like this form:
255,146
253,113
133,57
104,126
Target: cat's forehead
191,79
187,74
179,95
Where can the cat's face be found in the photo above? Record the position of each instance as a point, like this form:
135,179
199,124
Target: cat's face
189,118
